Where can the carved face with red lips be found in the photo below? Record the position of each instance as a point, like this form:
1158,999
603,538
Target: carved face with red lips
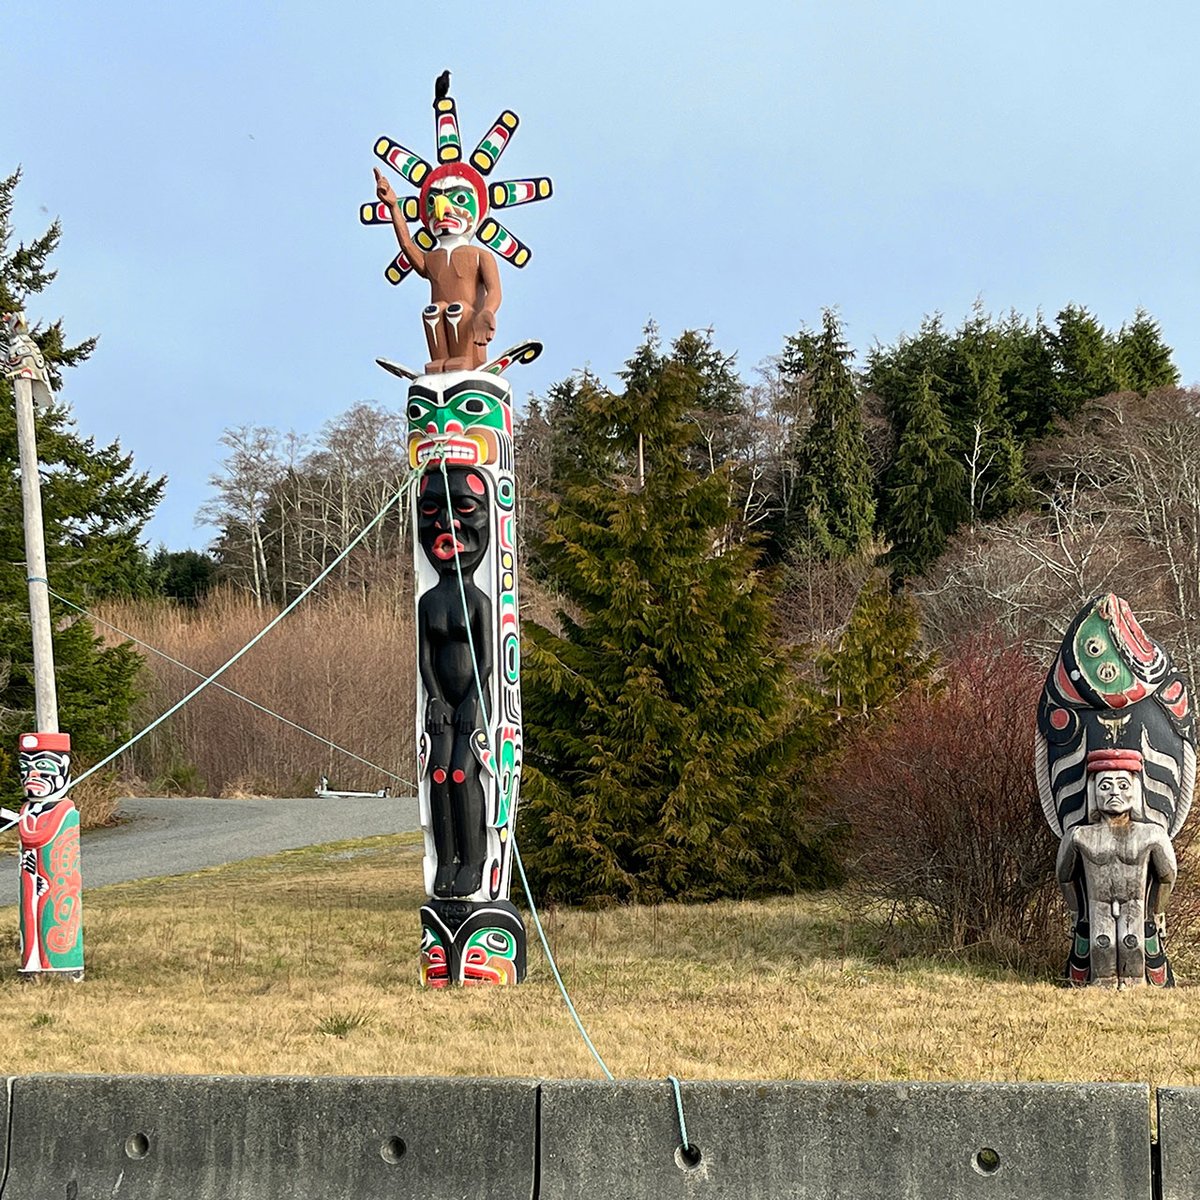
453,522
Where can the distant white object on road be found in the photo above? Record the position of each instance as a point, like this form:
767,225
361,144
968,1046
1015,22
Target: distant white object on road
324,792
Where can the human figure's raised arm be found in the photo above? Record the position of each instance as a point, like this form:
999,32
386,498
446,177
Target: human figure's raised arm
413,252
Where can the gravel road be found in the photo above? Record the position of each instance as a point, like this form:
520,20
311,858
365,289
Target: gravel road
177,835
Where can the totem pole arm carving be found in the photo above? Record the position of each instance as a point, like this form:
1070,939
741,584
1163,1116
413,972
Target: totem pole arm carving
438,714
489,286
414,253
1065,866
1164,871
468,717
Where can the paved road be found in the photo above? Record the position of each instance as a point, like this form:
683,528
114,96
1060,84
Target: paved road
177,835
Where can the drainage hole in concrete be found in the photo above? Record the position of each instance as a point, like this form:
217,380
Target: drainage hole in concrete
987,1161
687,1158
137,1145
393,1150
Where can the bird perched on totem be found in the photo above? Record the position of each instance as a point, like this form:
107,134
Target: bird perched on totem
453,206
1115,761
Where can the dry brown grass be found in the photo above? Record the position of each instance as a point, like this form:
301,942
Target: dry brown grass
306,962
342,665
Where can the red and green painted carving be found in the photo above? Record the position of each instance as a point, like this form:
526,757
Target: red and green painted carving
51,884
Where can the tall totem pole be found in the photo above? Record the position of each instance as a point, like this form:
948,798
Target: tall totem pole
460,440
50,888
1115,759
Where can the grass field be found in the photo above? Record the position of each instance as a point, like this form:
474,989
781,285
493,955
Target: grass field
306,962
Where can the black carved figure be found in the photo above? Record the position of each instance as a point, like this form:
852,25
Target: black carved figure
454,638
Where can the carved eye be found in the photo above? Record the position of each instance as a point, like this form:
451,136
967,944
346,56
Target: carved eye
474,406
466,506
416,411
1095,646
1107,672
429,510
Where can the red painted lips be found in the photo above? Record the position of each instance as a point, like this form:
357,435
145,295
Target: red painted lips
445,546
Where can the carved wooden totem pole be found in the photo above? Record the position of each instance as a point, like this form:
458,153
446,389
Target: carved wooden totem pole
1116,767
51,884
460,441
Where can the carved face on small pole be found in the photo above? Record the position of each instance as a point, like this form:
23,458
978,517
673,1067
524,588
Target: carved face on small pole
45,765
1118,793
1115,790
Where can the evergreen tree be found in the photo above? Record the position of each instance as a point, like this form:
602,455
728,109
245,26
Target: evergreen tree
924,486
1145,358
95,507
877,656
663,735
1086,358
183,575
834,509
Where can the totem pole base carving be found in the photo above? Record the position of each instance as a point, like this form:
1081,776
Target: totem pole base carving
471,942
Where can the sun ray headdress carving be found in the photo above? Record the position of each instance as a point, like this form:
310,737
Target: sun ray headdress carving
480,163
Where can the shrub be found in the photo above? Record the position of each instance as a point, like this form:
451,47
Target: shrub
943,813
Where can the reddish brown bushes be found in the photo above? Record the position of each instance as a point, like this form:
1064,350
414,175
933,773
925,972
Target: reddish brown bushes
943,813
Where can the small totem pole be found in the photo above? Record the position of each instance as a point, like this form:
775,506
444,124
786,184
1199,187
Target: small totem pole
1116,767
460,440
51,911
51,902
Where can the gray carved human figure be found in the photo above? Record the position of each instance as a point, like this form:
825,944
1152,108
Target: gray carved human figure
1129,866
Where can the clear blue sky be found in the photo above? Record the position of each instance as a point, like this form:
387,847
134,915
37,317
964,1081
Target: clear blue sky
714,165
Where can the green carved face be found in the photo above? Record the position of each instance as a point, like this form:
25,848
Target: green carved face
453,209
455,413
464,423
1102,664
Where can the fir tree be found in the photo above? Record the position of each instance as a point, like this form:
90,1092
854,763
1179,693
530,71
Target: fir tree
1145,358
834,509
1086,359
924,486
878,654
95,507
664,734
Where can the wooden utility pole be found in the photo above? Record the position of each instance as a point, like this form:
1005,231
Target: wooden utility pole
27,369
45,693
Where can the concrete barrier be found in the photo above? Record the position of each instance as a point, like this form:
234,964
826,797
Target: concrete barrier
839,1141
1179,1143
224,1138
209,1138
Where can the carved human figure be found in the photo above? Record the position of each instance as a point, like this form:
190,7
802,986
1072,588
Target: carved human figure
50,881
1128,868
1115,761
454,638
460,319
